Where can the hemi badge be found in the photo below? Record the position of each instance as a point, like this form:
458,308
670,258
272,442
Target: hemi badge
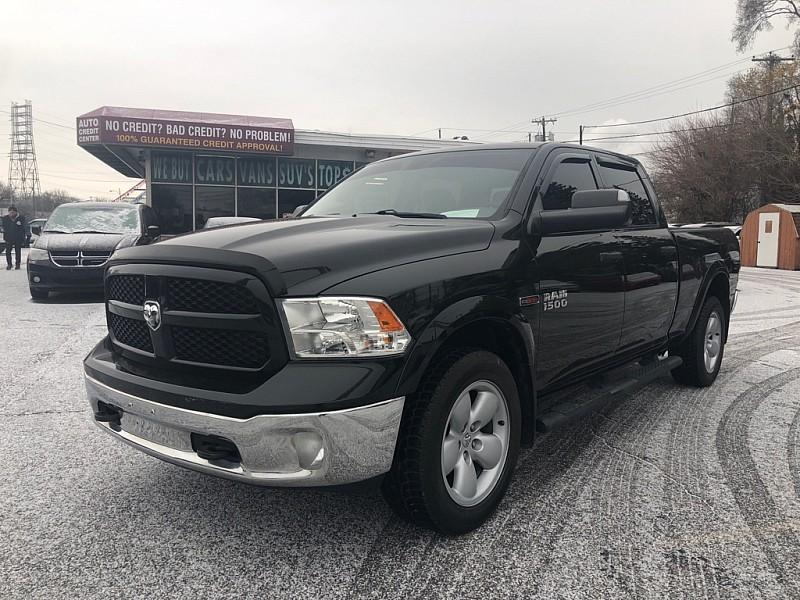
528,300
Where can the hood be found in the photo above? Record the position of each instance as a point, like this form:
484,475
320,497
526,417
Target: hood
311,255
97,242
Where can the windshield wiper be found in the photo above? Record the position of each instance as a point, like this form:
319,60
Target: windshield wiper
407,215
53,231
95,231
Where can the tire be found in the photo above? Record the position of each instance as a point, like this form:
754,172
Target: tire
700,368
417,487
39,294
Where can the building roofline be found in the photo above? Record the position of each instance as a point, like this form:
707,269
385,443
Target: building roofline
371,141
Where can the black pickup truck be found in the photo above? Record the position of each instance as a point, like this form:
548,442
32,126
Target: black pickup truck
423,320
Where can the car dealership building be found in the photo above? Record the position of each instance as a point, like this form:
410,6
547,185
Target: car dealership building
200,165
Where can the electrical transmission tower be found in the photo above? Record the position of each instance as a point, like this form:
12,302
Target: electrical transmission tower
23,174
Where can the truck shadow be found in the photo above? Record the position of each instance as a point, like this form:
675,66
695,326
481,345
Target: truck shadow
70,298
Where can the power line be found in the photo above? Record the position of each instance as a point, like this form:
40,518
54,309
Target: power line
55,176
633,135
633,96
651,92
696,112
645,93
45,122
725,75
509,129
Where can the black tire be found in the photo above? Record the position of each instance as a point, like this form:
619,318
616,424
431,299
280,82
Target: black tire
415,487
39,294
693,371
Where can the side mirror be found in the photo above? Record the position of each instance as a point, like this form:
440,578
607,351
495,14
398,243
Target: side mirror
298,210
592,210
36,230
153,231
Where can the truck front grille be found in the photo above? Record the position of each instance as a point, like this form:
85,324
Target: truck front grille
209,297
130,332
219,347
127,288
222,319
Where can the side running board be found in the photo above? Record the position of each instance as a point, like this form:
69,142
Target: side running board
605,390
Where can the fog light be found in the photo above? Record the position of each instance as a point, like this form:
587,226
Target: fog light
36,279
310,452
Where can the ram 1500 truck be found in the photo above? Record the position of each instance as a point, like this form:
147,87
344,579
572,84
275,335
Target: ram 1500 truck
423,319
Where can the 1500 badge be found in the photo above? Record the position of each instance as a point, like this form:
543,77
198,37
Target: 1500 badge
554,300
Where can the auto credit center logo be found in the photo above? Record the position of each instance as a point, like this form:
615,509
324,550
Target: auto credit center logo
152,314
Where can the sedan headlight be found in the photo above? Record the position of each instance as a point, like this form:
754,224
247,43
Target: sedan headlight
38,254
332,327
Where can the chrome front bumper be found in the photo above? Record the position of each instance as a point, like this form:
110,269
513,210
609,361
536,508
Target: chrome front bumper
280,450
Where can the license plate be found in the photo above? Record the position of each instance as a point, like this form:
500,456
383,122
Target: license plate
155,432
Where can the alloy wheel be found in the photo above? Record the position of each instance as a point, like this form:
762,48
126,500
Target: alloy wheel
475,443
712,344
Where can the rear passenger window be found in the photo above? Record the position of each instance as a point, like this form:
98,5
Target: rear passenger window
570,176
624,178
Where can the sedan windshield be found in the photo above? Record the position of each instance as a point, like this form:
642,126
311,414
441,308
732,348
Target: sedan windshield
93,219
469,184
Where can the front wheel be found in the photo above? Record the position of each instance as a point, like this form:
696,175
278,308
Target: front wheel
702,351
458,444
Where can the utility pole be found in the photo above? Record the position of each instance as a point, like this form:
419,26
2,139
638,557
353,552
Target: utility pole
23,174
543,122
580,135
771,60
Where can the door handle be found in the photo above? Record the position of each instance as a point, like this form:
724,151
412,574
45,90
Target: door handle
610,257
668,251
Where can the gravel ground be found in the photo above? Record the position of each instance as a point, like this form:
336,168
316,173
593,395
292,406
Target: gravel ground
674,492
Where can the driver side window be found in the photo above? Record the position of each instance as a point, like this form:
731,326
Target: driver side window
569,176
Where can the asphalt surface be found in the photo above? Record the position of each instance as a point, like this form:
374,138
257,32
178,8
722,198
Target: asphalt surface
675,492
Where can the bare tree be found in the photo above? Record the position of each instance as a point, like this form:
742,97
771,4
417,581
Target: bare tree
755,16
702,173
45,202
719,167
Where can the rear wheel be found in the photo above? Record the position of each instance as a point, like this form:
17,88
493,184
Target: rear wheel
702,351
39,294
458,444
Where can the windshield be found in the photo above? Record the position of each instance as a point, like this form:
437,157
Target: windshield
471,184
95,219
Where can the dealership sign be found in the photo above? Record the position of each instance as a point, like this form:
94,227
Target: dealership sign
247,171
188,131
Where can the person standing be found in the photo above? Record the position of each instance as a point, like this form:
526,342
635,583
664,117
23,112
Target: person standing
13,234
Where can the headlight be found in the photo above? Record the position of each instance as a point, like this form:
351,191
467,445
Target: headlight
38,254
332,327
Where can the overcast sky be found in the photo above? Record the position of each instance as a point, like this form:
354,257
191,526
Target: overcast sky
402,68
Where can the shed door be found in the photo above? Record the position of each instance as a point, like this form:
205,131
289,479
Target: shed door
767,240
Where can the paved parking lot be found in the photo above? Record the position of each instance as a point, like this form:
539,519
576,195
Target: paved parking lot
674,492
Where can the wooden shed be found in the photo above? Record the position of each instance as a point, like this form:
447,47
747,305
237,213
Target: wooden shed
770,237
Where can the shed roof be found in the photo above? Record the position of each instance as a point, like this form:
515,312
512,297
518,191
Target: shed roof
792,208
